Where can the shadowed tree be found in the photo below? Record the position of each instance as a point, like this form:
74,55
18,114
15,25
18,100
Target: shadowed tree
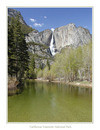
17,50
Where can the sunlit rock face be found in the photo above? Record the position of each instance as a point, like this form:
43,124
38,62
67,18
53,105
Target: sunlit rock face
61,37
43,37
71,35
40,39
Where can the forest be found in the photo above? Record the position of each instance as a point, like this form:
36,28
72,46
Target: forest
17,50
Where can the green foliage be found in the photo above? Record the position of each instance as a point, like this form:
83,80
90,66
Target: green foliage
71,64
40,73
31,73
43,46
17,50
11,49
45,73
24,28
48,64
40,55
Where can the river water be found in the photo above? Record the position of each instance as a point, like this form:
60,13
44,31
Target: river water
50,102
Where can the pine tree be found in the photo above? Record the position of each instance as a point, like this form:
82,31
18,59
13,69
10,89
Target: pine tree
17,50
48,64
21,50
11,49
31,71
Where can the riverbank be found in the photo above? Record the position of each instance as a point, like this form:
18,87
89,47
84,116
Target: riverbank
86,84
13,83
12,86
81,84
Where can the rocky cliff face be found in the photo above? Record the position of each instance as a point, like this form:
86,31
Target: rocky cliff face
71,35
14,13
41,53
40,42
43,37
62,37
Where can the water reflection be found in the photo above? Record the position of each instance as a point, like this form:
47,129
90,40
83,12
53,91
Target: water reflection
54,87
51,102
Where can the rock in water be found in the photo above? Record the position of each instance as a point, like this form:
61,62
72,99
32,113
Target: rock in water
71,35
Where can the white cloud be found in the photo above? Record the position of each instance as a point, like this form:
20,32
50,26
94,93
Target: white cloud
32,20
85,26
45,17
52,29
30,25
38,24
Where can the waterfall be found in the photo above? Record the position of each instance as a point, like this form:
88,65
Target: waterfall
52,48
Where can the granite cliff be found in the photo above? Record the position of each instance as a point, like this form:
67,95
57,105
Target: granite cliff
71,35
61,37
43,37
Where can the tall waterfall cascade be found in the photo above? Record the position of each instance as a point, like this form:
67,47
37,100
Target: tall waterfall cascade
52,47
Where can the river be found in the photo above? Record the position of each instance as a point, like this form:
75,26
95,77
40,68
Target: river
50,102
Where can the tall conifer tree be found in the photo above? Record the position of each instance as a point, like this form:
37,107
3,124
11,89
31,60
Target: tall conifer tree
19,49
11,48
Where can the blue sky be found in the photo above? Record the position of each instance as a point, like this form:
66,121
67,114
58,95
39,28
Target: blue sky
47,18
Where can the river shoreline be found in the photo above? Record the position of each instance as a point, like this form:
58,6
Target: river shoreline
85,84
12,84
